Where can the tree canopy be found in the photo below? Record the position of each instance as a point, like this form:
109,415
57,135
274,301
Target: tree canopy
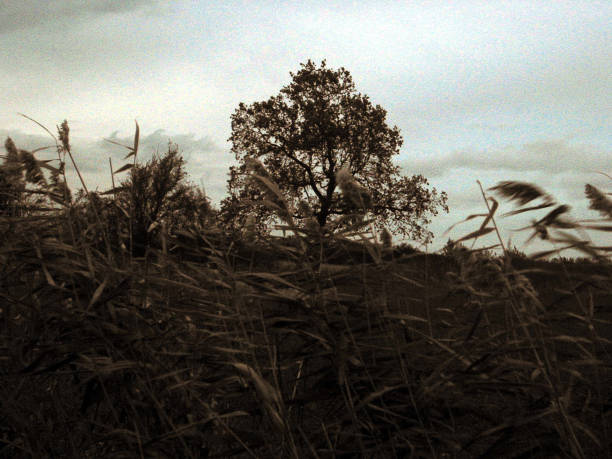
155,195
316,127
157,191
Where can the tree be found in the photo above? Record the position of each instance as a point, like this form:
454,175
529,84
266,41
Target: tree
314,128
157,192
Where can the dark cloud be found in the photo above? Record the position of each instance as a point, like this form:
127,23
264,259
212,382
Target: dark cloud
548,156
25,14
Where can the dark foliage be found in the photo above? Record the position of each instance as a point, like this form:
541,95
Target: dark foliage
156,194
316,126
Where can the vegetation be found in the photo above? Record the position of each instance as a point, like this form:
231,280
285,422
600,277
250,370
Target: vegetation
156,195
213,344
317,138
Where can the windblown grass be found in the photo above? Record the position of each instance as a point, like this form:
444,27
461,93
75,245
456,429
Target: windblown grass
306,346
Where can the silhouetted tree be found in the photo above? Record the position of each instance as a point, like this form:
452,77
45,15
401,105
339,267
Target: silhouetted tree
315,127
157,193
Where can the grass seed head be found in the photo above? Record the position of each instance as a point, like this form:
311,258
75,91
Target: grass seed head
250,228
64,135
351,190
312,225
256,166
33,171
520,191
386,239
599,201
12,154
272,195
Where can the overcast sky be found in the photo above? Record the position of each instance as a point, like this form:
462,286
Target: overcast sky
489,91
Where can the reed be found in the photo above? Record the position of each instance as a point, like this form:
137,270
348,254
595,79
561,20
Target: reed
217,344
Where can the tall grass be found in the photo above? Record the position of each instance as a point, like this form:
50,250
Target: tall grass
314,345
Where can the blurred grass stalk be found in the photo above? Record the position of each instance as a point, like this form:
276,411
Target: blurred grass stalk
211,345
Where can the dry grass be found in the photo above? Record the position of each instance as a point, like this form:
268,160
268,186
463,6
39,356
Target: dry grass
213,347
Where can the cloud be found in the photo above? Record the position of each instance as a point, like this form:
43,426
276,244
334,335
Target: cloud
207,163
547,156
564,182
25,141
25,14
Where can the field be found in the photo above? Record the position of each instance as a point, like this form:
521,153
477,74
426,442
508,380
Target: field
214,345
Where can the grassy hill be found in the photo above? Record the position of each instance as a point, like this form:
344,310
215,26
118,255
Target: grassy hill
271,350
122,338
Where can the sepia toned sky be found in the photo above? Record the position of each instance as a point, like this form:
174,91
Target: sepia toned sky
481,90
